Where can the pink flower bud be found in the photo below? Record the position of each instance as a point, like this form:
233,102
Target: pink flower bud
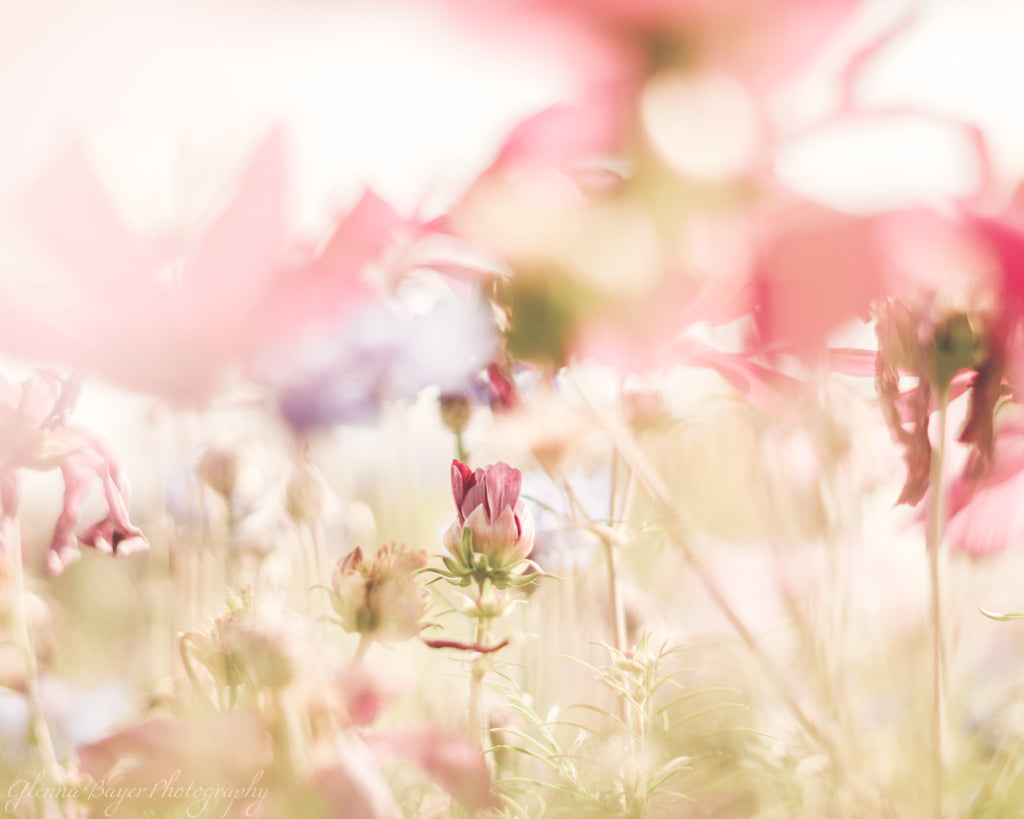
488,504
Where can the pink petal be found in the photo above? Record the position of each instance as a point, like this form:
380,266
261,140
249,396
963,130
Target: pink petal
502,483
462,477
817,268
453,538
475,495
480,526
240,253
363,235
525,527
452,760
504,531
69,211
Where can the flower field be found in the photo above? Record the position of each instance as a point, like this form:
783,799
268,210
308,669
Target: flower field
535,408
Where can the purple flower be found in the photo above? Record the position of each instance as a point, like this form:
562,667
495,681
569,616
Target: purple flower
382,353
489,506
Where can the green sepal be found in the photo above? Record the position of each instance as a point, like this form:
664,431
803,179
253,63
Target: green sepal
466,547
451,566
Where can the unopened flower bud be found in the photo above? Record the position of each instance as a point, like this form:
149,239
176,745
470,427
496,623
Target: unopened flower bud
304,497
489,508
218,469
456,410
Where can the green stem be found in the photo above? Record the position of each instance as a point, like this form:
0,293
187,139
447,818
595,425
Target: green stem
460,448
933,543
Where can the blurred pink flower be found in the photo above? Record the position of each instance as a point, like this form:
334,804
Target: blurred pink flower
488,504
35,434
456,763
985,515
174,326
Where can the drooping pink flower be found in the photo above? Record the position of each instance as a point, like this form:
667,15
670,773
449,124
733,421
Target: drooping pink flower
488,504
36,434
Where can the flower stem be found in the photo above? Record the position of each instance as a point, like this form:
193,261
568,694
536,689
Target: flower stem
611,554
365,641
22,635
651,483
460,448
476,680
933,543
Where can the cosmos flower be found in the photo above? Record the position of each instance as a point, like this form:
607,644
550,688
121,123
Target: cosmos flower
489,507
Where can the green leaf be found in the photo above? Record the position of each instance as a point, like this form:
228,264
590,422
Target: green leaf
702,712
1010,615
689,694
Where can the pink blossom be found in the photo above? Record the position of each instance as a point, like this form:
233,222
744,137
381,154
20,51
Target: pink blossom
488,504
175,324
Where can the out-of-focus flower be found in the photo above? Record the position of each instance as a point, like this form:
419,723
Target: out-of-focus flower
218,469
74,716
455,762
181,323
381,353
306,493
35,433
219,751
985,513
493,531
380,597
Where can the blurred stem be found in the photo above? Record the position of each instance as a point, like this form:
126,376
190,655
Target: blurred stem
365,641
476,680
460,448
290,735
933,542
22,634
650,481
611,554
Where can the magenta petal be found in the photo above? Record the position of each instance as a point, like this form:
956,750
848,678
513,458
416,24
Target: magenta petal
461,480
475,496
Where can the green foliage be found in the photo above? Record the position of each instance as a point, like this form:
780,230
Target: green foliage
648,758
